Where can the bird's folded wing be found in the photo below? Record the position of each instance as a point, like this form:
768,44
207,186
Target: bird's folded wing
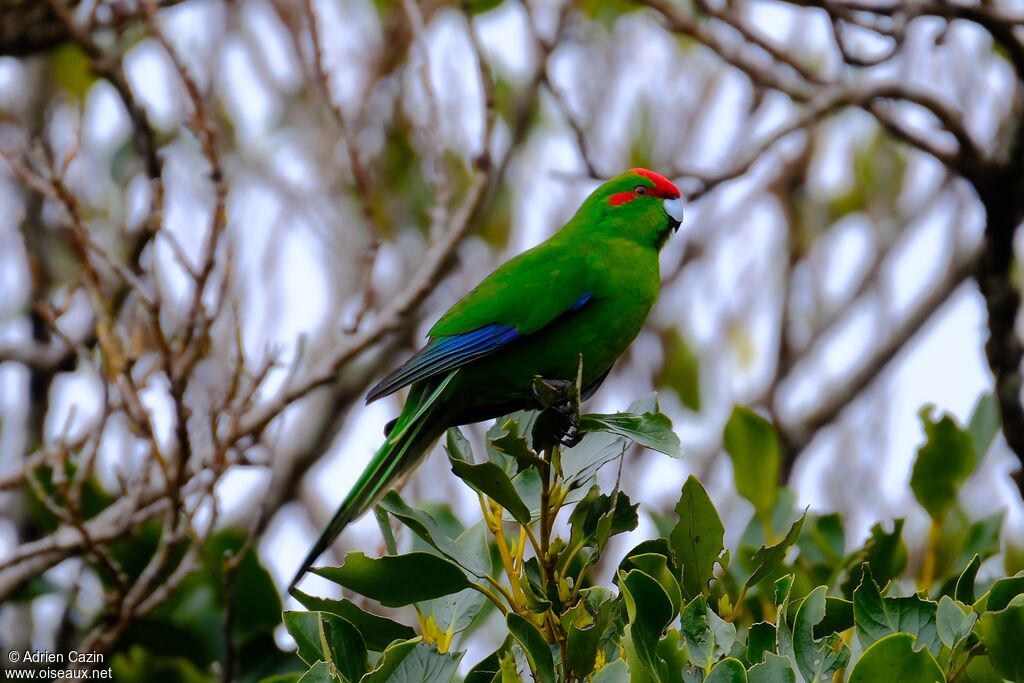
523,296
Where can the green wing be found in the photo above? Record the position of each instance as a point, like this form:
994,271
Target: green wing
522,296
526,293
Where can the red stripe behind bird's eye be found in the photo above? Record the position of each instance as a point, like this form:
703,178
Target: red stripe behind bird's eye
621,198
663,188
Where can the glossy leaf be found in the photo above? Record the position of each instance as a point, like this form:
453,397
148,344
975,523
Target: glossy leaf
467,555
458,446
877,616
344,646
728,670
649,611
774,669
455,613
397,580
1003,591
412,661
616,672
817,658
894,658
965,584
697,539
953,621
768,559
1002,632
320,672
651,430
537,650
708,637
492,481
378,632
304,628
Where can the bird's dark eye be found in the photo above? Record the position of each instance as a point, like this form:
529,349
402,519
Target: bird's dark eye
640,190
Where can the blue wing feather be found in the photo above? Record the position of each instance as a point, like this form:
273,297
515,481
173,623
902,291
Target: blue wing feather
443,354
447,353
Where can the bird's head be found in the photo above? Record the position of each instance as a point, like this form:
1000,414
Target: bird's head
640,204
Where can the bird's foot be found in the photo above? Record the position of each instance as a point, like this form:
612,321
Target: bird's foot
560,418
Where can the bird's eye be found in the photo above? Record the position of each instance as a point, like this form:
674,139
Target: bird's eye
640,190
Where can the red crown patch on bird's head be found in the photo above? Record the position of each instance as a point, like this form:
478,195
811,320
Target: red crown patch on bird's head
663,188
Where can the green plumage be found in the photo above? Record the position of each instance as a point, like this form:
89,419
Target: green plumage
586,291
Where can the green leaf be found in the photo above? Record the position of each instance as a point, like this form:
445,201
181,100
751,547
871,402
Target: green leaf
767,560
651,430
583,460
965,584
377,631
512,445
412,661
455,613
818,659
616,672
953,621
943,463
598,517
876,616
397,580
656,566
345,647
1003,591
753,446
585,625
649,611
838,617
485,670
728,670
594,451
697,538
681,370
984,424
884,552
1002,632
518,425
320,672
458,446
304,628
760,641
492,481
324,637
708,637
676,667
775,669
537,650
466,555
894,658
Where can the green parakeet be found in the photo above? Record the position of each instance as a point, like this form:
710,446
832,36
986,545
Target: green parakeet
585,292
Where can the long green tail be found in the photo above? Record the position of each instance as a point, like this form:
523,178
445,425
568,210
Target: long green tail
416,428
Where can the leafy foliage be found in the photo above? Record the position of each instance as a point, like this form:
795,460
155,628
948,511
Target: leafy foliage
789,604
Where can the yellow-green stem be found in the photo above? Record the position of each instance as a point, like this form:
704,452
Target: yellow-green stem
931,555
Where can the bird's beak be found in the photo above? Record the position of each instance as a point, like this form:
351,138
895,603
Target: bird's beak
674,209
